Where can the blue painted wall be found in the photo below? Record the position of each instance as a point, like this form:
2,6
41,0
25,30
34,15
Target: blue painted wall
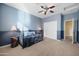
10,16
30,21
78,26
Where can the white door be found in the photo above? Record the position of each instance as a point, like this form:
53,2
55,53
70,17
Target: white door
50,29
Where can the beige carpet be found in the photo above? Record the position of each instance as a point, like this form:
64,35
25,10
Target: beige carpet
48,47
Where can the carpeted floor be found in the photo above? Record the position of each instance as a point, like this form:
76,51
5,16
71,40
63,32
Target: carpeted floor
47,47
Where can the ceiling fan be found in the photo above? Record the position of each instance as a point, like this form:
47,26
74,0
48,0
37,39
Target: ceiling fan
46,9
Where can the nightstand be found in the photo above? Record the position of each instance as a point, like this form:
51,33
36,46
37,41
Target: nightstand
14,41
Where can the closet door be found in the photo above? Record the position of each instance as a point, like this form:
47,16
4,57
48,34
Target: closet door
50,29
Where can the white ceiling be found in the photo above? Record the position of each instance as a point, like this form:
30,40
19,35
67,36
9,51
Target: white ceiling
33,8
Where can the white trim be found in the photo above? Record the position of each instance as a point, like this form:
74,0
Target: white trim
73,29
5,46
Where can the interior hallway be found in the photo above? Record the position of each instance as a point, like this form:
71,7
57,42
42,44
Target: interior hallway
48,47
68,34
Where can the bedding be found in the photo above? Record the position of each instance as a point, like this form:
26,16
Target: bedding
28,38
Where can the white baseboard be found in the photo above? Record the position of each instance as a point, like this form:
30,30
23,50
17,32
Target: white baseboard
5,46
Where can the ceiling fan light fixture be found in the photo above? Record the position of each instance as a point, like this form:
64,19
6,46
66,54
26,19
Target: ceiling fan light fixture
46,8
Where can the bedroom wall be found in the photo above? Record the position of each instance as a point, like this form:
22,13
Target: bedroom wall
30,21
10,16
0,15
78,26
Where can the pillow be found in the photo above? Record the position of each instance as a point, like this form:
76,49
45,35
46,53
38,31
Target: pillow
31,33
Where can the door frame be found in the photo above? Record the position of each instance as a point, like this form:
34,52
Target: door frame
72,26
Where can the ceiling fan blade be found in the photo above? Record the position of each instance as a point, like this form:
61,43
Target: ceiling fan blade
45,13
51,11
40,11
51,7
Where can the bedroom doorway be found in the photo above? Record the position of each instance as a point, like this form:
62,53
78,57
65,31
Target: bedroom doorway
68,30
